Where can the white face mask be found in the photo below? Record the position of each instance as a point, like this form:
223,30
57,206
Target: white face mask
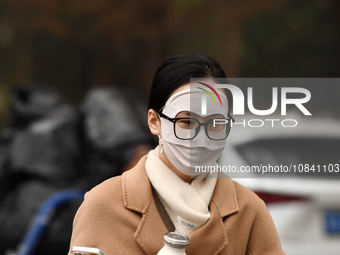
186,155
185,159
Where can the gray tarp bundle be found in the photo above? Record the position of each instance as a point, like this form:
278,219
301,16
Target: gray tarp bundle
50,146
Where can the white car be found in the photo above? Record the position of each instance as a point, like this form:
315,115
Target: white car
304,203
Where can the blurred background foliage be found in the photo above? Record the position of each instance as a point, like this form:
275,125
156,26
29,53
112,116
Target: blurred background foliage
76,44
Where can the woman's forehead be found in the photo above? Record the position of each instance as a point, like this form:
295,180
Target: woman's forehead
195,83
195,101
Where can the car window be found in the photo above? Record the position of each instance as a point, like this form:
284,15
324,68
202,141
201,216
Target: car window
294,151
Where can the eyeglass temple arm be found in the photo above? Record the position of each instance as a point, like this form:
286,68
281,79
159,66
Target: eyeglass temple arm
166,117
231,117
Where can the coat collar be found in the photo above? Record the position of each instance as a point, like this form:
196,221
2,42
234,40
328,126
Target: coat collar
137,196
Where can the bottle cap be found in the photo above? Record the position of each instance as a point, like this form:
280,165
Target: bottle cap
176,240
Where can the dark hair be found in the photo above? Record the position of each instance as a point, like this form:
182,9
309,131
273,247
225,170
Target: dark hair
176,71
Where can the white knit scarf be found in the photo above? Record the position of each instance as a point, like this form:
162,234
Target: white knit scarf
187,204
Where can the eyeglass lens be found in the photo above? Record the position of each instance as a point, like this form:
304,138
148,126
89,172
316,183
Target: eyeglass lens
187,128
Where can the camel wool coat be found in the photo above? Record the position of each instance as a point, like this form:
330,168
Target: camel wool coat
119,216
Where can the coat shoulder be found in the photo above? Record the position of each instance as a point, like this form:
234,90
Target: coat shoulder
109,191
248,199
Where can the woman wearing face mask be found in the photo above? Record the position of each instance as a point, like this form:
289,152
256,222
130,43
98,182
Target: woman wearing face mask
131,213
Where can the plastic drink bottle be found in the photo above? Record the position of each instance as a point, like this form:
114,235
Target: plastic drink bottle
80,250
174,244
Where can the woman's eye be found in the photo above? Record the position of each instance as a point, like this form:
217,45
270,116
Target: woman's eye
187,123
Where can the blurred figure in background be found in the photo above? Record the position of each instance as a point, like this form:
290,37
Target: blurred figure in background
51,146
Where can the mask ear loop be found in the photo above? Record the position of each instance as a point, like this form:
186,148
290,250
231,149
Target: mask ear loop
161,143
160,139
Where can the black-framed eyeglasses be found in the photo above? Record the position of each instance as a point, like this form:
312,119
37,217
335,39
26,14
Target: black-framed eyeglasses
188,128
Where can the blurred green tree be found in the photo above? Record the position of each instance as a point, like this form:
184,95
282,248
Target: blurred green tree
75,44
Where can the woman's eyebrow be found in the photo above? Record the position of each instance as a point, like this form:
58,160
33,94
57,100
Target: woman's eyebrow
186,113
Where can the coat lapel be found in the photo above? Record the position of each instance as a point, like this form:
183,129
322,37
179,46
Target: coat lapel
212,237
137,196
224,196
